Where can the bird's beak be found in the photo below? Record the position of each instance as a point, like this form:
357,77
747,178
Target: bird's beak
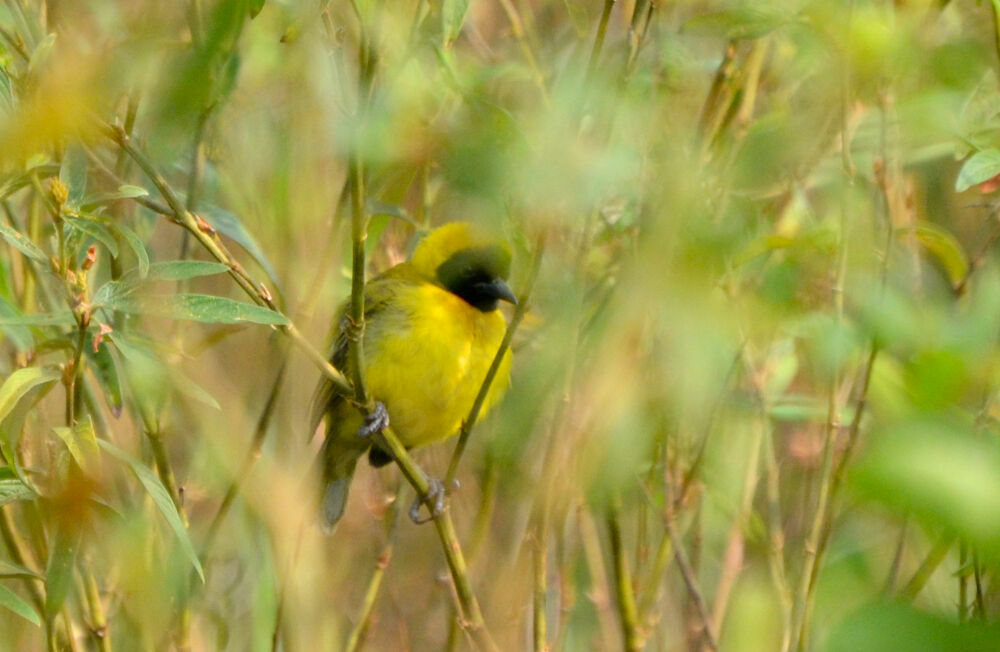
502,291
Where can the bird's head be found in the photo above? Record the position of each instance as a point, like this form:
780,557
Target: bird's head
467,260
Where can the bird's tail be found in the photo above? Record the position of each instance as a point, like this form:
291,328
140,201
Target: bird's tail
338,469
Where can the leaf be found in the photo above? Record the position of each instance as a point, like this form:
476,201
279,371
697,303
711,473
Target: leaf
59,572
981,166
901,628
199,307
193,390
452,17
12,488
939,470
182,270
19,335
41,53
735,23
114,294
255,7
20,383
230,226
10,569
148,377
95,230
22,244
103,364
161,498
73,173
945,247
124,192
81,442
61,318
137,246
13,602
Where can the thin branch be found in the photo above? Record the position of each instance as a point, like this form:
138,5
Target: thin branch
484,389
627,612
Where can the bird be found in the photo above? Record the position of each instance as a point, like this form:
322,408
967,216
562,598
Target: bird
432,327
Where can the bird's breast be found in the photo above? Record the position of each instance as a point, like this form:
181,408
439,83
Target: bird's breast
427,360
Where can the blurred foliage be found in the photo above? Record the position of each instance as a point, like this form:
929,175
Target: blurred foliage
754,402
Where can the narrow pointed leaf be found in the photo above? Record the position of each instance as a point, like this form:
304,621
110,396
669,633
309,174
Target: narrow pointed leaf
22,244
161,498
13,602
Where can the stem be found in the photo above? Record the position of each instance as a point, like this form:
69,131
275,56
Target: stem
927,567
733,557
356,321
356,638
540,636
98,621
687,573
163,468
595,51
623,586
484,388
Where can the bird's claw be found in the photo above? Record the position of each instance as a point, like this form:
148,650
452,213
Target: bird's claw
375,422
435,499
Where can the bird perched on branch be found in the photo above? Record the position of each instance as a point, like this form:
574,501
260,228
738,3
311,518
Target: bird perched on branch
432,329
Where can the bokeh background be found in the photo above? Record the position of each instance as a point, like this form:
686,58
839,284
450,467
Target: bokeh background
754,395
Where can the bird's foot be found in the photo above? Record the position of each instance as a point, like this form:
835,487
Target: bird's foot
435,500
375,422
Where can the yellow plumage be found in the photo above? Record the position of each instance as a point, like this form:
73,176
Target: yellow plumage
432,330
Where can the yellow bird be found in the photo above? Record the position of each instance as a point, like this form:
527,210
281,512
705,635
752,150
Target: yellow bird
432,329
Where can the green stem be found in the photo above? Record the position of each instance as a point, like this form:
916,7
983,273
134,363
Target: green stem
623,586
484,388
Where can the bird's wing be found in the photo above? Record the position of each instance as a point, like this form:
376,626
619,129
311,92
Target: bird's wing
379,293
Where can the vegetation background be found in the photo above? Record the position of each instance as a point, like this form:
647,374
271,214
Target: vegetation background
754,398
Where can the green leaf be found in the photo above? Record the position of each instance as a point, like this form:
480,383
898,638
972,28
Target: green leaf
452,17
19,335
81,442
22,244
182,270
95,230
10,569
945,247
255,7
104,366
980,167
199,307
135,242
61,318
12,488
20,383
193,390
901,628
41,53
230,226
13,602
148,377
940,471
73,173
736,23
119,294
161,498
59,572
124,192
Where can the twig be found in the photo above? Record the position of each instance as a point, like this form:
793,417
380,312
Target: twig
595,51
540,585
519,312
627,612
684,564
356,638
927,567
